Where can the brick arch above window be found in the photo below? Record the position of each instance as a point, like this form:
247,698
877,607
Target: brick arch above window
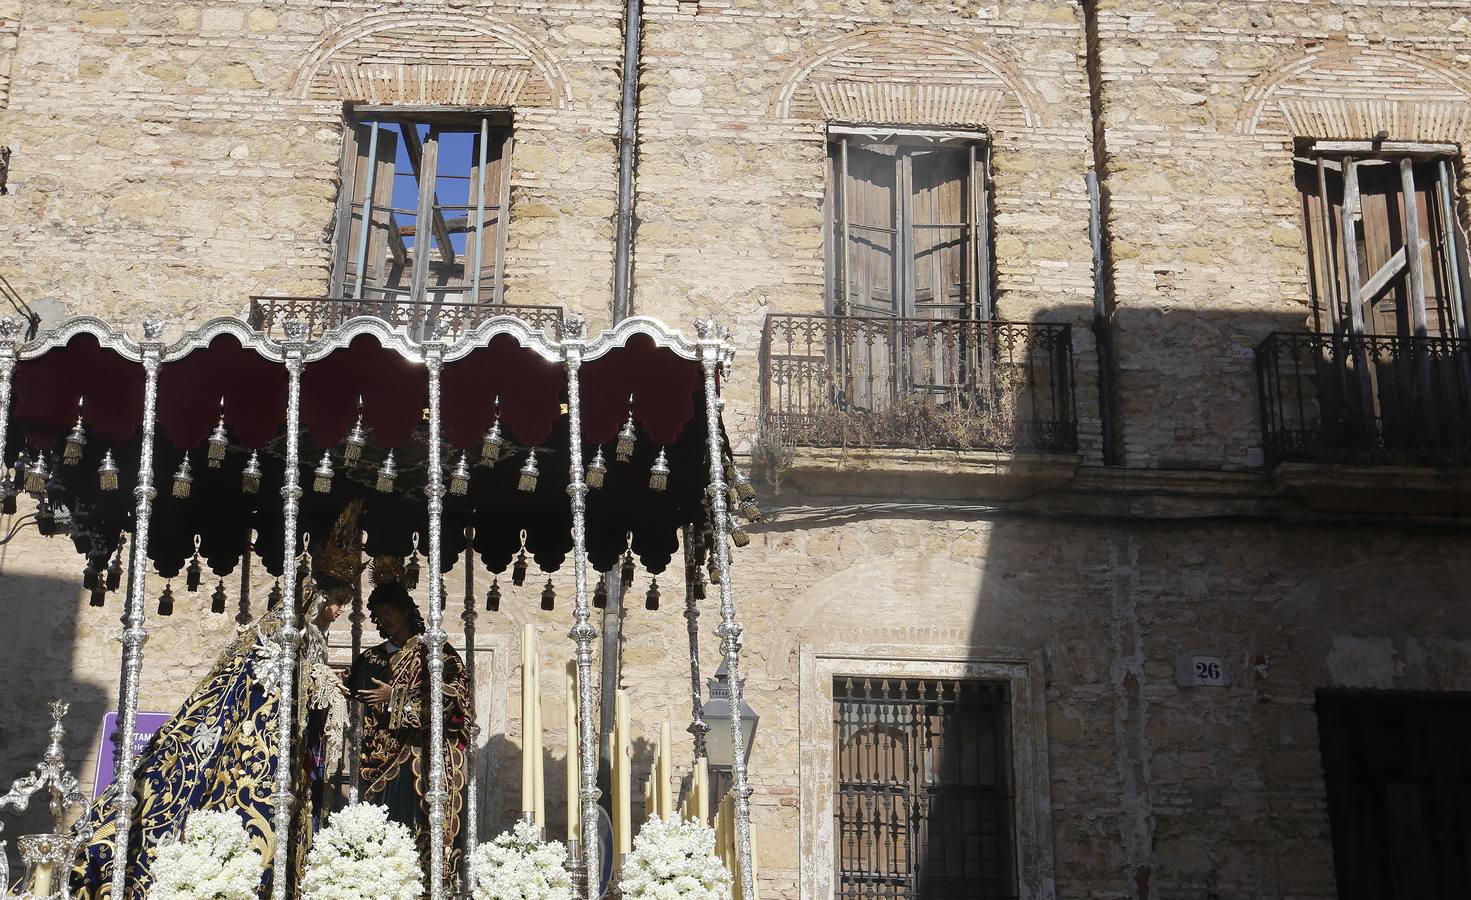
1355,92
905,76
476,62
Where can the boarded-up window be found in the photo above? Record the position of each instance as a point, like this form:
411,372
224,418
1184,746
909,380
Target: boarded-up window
432,193
1373,290
908,231
922,807
1398,773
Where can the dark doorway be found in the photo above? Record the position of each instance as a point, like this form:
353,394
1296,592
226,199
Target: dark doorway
1398,771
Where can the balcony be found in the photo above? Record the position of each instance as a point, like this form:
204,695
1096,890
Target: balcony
415,317
896,385
1365,400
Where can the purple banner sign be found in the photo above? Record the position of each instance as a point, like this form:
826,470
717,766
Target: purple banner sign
148,723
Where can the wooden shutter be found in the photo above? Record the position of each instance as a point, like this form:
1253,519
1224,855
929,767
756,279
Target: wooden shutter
872,231
385,258
491,245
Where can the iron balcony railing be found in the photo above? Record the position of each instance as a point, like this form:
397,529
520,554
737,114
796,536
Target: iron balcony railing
416,317
962,384
1365,399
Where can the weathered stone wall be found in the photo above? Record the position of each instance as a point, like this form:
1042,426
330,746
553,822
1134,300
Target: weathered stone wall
173,158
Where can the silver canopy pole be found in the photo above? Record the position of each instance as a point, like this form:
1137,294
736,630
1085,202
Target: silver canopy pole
135,635
582,633
434,635
698,727
10,339
472,783
294,347
713,355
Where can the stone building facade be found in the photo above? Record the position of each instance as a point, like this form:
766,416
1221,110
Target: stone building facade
173,158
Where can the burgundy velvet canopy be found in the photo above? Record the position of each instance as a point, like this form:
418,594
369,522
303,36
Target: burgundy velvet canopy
241,376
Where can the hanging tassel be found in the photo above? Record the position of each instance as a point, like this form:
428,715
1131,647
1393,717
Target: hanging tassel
493,443
626,573
459,479
738,534
411,572
600,593
651,599
697,582
745,490
219,442
518,570
36,475
7,495
387,473
250,475
71,454
193,574
528,473
107,473
166,600
659,472
357,439
322,482
183,479
493,596
623,449
99,596
217,599
548,596
115,571
596,470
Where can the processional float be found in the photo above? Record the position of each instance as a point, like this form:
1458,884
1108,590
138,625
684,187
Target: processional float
459,437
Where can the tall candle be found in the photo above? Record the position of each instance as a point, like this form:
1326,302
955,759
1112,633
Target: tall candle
625,785
41,879
538,758
574,775
702,792
528,721
666,770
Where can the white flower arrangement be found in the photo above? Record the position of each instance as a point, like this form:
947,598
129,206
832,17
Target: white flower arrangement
518,865
361,855
213,860
674,859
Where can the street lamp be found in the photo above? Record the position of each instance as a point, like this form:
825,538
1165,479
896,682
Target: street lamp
716,712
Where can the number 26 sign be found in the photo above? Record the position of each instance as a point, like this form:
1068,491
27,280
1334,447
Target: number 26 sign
1201,670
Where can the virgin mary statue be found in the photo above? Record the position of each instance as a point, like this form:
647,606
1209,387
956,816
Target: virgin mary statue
219,751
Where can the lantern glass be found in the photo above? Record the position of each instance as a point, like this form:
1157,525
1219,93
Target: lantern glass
717,713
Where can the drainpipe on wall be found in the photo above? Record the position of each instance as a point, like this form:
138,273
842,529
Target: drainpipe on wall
1103,295
622,308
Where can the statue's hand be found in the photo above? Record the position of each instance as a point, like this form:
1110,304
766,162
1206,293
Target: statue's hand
378,695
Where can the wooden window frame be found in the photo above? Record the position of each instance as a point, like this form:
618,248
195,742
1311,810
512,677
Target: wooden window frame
492,123
1328,239
978,276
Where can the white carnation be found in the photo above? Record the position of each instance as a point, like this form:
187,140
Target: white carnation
361,855
518,865
212,861
674,859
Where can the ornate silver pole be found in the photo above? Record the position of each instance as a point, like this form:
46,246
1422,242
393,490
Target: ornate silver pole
582,633
714,354
134,632
434,635
698,728
355,710
10,331
472,783
294,346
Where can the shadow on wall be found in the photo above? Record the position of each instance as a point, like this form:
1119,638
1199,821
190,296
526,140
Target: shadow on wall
1099,607
38,658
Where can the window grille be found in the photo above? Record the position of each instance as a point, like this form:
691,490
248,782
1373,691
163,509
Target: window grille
432,190
922,802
